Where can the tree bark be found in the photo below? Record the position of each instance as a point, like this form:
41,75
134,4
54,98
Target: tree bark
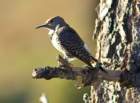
117,31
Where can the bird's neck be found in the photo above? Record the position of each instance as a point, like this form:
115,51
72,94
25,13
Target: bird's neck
51,32
56,31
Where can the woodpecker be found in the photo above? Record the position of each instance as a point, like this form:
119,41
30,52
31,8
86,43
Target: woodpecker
67,41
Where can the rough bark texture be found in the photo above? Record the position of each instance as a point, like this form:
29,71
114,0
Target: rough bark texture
117,31
84,76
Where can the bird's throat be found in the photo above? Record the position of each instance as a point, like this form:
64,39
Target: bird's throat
51,32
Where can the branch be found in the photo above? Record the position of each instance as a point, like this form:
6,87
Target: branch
86,76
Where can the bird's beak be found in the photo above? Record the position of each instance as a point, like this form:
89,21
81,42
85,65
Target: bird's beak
41,26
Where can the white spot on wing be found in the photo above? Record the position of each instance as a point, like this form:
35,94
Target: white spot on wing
93,64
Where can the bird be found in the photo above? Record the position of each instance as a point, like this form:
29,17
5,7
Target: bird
67,41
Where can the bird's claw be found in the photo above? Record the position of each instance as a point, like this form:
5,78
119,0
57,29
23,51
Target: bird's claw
63,62
98,65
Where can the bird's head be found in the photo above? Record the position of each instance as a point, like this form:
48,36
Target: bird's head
52,23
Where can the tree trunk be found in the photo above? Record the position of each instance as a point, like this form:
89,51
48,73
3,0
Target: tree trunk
117,31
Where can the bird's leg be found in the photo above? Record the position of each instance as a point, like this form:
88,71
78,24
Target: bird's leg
63,62
99,66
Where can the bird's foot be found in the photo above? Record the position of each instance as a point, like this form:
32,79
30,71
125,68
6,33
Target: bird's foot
62,62
99,67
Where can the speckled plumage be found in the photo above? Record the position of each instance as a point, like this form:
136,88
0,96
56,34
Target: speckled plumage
67,41
72,45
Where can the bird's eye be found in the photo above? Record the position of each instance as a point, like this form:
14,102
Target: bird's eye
51,21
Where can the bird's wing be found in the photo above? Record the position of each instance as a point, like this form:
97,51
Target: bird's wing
69,37
74,45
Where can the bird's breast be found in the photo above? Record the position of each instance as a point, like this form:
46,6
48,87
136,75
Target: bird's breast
57,44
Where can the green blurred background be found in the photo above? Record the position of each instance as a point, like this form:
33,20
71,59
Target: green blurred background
23,48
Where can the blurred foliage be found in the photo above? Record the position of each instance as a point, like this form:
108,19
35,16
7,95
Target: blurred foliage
23,48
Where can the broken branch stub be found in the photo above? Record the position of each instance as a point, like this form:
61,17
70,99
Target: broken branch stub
86,76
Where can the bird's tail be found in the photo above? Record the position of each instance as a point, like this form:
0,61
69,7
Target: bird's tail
97,65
